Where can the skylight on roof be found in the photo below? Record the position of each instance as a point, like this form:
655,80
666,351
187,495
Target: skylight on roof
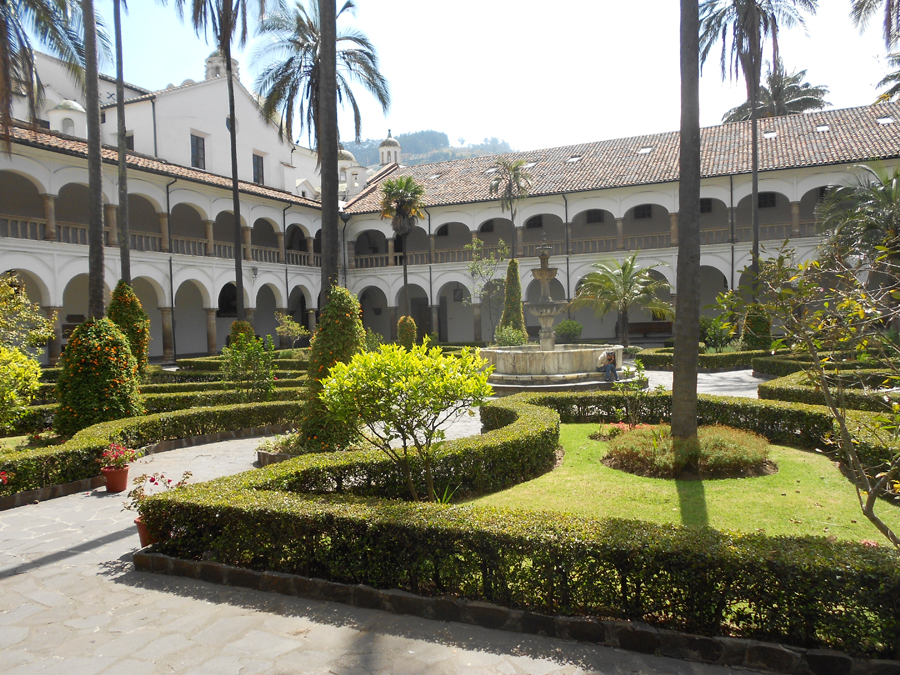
573,159
646,150
885,120
770,134
529,165
490,171
434,176
822,128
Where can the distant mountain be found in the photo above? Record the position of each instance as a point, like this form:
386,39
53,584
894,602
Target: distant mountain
426,147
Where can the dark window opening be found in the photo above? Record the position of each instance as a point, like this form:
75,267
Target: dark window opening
488,226
643,211
594,216
43,124
198,152
705,205
258,176
535,223
227,301
129,142
103,118
766,200
443,231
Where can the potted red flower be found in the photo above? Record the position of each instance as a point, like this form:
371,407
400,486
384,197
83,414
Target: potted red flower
144,486
114,466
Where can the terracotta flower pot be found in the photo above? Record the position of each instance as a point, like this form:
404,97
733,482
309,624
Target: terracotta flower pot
143,533
116,479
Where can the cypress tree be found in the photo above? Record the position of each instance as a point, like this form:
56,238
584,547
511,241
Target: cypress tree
126,311
513,316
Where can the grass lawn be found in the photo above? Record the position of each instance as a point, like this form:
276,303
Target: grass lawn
13,443
807,496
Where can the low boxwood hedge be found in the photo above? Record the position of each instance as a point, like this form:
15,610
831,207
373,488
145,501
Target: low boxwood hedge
786,364
802,591
661,359
177,387
214,363
797,388
76,459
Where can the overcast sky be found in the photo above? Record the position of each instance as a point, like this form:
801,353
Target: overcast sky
535,75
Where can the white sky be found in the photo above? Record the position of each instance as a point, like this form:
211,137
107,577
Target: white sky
535,75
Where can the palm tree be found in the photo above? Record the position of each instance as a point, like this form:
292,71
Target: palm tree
623,287
124,243
862,10
782,94
402,200
687,315
891,80
743,27
95,166
227,21
294,79
511,181
54,22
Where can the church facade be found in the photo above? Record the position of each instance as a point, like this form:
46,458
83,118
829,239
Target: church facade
589,202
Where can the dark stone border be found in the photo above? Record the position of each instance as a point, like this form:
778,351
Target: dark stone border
631,636
86,484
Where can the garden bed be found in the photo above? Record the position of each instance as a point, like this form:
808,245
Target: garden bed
661,359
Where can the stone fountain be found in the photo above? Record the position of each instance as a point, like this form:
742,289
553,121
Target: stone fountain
548,366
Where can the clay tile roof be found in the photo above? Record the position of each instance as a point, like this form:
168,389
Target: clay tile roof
53,142
853,135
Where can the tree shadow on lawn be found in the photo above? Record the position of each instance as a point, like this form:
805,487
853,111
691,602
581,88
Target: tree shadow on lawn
692,503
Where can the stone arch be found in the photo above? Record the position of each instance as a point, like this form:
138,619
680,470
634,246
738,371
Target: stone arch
715,225
148,191
268,301
274,284
375,313
531,207
186,220
190,199
202,288
712,282
593,326
33,285
152,297
158,294
663,200
439,219
264,233
450,236
774,221
535,226
370,249
27,168
641,232
223,233
419,305
456,313
417,245
191,319
20,195
494,230
589,225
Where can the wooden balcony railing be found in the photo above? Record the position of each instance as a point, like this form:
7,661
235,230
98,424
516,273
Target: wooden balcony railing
264,254
297,257
144,241
188,246
20,228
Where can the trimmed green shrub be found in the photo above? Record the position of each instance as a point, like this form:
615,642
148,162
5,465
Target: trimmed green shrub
507,336
338,337
248,363
407,332
568,330
798,388
756,332
19,381
126,312
98,381
724,451
373,340
661,359
76,459
213,364
241,328
513,316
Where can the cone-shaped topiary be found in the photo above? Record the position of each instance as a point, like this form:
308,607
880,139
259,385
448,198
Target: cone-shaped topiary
513,316
407,332
98,381
757,329
126,312
338,337
239,328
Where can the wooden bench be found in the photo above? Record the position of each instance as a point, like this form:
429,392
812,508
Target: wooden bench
650,327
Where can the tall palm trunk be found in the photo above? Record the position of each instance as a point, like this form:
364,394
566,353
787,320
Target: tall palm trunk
125,230
95,166
405,277
687,301
235,193
623,327
327,138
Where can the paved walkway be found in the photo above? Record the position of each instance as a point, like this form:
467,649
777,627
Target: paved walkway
735,383
71,603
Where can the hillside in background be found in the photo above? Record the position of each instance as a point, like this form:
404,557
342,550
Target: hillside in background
426,147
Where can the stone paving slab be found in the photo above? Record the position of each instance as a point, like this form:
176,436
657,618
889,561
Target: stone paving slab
72,603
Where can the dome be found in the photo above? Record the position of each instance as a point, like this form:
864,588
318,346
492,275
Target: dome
346,156
389,142
69,105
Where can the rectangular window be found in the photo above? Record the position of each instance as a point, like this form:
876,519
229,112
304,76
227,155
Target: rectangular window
258,176
103,118
705,205
643,211
129,142
198,152
594,216
488,226
535,223
766,200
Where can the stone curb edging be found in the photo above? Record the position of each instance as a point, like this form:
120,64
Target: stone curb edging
631,636
50,492
87,484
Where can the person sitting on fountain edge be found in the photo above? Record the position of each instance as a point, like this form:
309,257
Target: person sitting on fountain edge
609,368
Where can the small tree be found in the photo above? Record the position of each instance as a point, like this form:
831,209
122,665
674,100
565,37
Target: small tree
338,337
405,396
756,332
407,332
289,328
22,322
513,315
241,328
126,312
248,364
99,379
483,270
20,378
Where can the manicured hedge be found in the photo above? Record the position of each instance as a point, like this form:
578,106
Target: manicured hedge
661,359
214,363
781,365
797,388
76,459
177,387
803,591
